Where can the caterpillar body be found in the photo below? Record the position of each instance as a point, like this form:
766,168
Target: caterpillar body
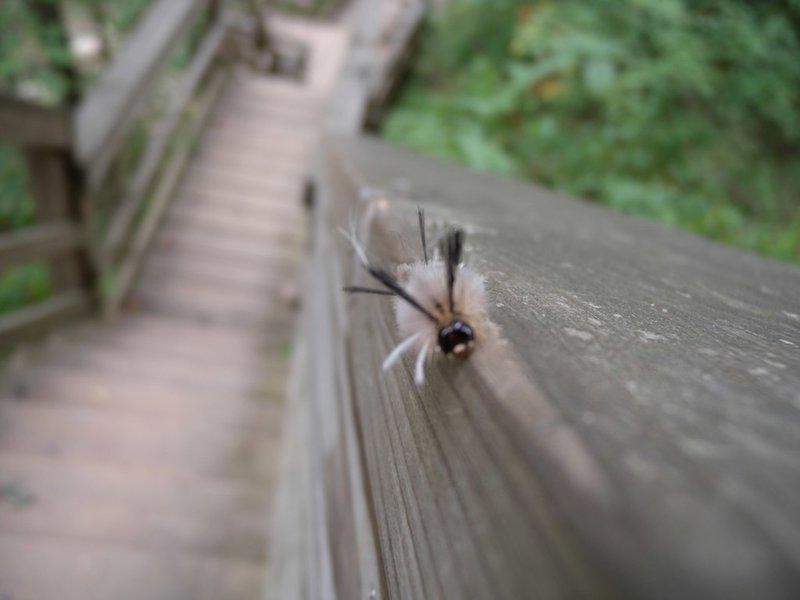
439,304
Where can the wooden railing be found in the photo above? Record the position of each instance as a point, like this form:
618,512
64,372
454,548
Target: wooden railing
57,236
632,433
378,57
101,176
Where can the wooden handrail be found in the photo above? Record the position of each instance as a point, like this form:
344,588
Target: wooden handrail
130,263
630,431
40,317
28,125
643,383
105,115
70,160
142,179
39,241
394,55
376,60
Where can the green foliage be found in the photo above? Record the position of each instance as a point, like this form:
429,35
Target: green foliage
13,21
34,56
29,283
685,111
35,62
119,15
313,8
23,285
16,208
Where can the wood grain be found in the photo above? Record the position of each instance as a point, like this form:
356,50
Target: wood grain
633,431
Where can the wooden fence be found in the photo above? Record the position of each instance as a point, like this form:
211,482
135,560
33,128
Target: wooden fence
102,175
634,432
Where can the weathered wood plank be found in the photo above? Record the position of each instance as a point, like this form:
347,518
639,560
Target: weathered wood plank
141,508
633,432
225,379
29,125
341,513
83,570
39,241
196,345
104,116
115,439
237,224
249,183
291,537
195,242
113,393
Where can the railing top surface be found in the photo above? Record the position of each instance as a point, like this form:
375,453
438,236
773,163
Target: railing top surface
645,395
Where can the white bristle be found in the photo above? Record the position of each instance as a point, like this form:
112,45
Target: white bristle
439,304
351,237
419,368
399,350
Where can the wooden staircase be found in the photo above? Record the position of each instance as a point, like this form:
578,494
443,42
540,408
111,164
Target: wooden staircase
137,458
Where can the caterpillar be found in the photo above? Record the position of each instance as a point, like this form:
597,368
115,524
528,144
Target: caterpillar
439,303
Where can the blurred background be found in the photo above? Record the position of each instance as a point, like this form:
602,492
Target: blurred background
50,54
682,111
145,448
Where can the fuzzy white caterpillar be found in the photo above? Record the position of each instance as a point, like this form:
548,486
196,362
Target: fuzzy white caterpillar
439,304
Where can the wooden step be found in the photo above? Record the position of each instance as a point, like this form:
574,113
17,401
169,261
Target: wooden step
300,123
258,279
216,295
263,89
258,208
205,305
250,184
142,508
187,331
73,432
138,456
277,181
126,393
181,350
189,253
57,568
266,162
229,248
279,229
179,372
230,229
260,111
284,146
270,91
